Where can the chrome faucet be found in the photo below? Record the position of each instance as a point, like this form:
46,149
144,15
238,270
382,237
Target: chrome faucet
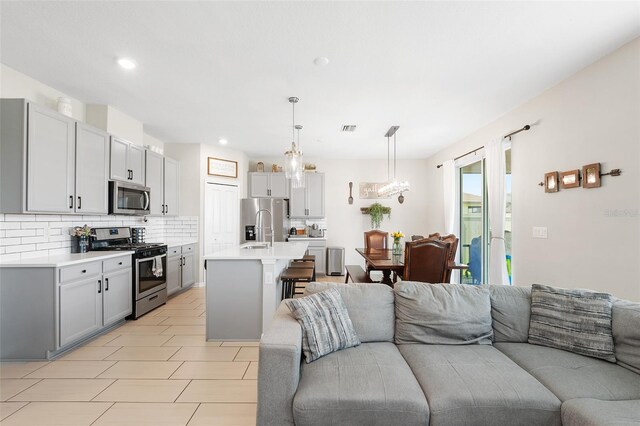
264,227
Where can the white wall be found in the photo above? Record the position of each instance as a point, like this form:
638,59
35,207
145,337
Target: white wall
345,223
14,84
594,234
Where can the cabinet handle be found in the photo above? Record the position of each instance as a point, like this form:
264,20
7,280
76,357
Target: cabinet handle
84,271
153,297
119,263
163,209
79,202
106,284
99,286
131,174
166,209
70,201
184,261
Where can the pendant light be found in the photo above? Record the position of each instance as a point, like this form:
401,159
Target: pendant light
292,157
299,180
393,187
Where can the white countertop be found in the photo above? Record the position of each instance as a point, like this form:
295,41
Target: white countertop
64,259
305,238
290,250
175,242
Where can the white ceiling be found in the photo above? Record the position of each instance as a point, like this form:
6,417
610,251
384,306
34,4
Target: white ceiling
210,70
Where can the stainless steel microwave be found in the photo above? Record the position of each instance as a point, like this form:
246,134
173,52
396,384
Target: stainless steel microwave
127,198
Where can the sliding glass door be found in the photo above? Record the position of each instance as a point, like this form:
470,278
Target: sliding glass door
473,222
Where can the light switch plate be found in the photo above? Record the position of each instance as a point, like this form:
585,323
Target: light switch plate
539,232
268,277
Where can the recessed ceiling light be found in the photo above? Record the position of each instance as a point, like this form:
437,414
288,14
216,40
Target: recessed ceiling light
223,141
126,63
321,61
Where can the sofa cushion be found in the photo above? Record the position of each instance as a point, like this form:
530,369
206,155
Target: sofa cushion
570,375
626,333
574,320
593,412
370,308
370,384
510,311
325,323
477,384
447,314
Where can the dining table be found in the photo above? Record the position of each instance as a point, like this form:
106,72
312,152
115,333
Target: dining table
383,260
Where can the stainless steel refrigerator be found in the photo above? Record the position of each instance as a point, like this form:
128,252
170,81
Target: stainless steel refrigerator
250,230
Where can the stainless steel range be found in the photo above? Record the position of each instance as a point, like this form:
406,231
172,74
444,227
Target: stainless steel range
149,266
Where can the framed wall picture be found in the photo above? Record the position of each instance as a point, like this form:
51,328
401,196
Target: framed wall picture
570,179
551,182
220,167
591,175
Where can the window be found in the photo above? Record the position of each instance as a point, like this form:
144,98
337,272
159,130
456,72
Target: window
473,218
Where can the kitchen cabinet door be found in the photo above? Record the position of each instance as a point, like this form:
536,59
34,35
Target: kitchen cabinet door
259,185
135,161
117,296
154,179
50,161
188,269
319,253
174,274
92,170
80,309
278,185
119,170
315,195
297,203
171,187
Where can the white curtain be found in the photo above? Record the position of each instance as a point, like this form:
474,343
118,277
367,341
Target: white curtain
449,192
496,171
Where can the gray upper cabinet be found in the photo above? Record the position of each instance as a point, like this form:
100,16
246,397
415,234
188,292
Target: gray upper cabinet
268,185
92,170
49,163
127,161
171,186
155,182
308,202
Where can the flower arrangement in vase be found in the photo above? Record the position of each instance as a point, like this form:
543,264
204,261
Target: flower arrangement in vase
397,247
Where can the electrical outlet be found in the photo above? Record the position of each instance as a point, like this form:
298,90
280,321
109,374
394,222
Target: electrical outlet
539,232
268,277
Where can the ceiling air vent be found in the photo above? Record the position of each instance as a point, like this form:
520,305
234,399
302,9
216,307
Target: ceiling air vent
349,128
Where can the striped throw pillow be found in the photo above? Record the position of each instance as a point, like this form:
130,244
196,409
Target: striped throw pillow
326,326
577,321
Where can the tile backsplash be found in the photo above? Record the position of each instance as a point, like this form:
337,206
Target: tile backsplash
25,236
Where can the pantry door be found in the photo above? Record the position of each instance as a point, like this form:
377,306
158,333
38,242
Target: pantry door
221,215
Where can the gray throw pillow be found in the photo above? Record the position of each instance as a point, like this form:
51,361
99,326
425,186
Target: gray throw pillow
577,321
625,324
442,314
326,326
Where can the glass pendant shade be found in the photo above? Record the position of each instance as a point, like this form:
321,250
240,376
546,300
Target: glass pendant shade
291,162
393,187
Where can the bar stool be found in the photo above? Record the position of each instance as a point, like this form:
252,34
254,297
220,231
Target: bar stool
291,276
304,264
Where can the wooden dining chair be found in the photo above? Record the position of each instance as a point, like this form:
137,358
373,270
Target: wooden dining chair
451,265
426,261
375,239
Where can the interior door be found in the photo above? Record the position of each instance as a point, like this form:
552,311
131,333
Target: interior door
50,161
92,170
135,161
118,161
221,216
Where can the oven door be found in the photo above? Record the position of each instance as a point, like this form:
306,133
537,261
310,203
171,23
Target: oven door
128,199
148,279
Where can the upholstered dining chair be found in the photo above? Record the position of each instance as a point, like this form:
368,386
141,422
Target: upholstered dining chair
375,239
426,260
417,237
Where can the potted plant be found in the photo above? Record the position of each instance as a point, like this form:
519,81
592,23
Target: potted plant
377,212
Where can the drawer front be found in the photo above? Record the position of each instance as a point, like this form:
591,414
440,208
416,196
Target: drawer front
116,263
174,251
189,248
317,244
84,270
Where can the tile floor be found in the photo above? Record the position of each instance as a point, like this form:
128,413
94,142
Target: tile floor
158,370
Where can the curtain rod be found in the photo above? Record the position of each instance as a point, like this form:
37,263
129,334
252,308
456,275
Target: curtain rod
526,127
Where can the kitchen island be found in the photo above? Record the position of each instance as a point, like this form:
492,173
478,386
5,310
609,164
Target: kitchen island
244,288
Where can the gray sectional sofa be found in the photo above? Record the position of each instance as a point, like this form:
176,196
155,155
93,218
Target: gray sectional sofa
508,382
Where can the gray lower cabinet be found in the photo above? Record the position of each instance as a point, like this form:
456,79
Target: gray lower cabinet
181,267
318,248
47,310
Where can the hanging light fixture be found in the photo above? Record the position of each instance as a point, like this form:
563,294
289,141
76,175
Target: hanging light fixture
293,157
393,187
298,181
